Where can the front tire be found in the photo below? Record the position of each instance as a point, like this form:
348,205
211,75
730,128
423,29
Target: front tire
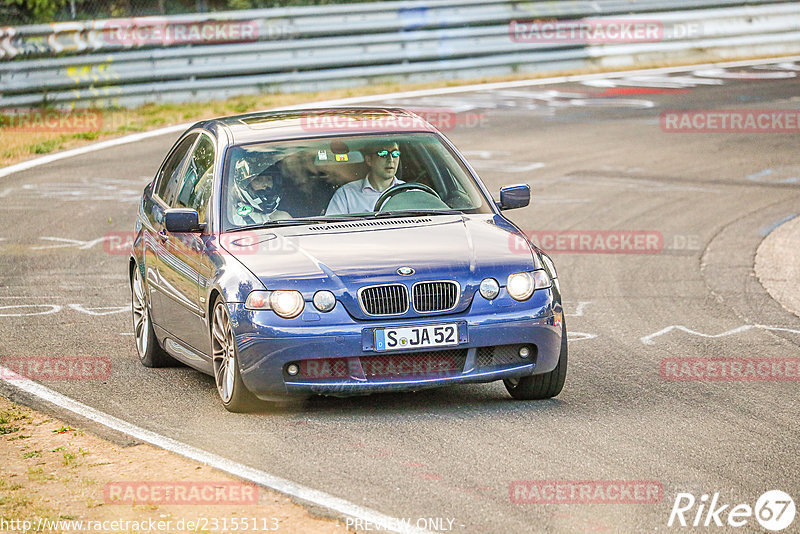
234,394
150,352
543,386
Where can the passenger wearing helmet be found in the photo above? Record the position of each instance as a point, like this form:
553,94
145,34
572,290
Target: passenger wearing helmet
255,198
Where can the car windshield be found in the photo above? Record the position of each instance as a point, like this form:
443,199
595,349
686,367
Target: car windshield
332,178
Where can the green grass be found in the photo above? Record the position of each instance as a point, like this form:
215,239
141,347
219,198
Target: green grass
10,416
8,429
45,147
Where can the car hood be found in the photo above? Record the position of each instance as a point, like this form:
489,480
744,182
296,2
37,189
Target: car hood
343,257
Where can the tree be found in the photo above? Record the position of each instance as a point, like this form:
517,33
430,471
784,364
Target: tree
39,10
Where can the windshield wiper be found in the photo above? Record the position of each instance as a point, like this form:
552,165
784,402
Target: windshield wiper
410,213
295,222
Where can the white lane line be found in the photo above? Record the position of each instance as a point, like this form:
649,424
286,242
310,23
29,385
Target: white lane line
25,165
282,485
648,339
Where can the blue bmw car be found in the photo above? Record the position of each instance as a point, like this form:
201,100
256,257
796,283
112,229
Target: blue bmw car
339,252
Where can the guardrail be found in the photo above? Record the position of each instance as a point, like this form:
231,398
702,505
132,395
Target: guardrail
127,62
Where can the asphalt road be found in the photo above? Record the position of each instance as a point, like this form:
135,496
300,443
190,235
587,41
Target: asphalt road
597,159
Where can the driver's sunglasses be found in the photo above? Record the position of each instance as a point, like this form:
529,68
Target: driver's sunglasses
384,153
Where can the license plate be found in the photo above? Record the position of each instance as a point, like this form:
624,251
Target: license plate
415,337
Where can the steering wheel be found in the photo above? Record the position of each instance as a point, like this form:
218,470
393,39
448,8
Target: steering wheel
401,188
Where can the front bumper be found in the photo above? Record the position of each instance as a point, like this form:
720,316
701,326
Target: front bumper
490,335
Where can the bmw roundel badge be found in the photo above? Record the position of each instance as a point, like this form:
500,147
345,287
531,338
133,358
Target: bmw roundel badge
405,271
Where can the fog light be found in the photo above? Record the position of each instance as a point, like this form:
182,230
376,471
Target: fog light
324,301
293,369
524,352
489,288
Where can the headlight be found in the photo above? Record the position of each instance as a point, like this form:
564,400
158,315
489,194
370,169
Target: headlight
489,288
324,301
522,285
287,304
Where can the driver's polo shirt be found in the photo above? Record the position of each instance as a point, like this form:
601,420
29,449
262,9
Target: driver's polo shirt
357,196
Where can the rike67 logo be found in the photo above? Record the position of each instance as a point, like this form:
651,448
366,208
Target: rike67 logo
774,511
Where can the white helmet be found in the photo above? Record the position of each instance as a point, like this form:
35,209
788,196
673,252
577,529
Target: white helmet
263,200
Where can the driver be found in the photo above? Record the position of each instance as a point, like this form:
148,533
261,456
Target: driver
359,196
255,198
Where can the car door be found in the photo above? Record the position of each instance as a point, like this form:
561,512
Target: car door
182,270
153,225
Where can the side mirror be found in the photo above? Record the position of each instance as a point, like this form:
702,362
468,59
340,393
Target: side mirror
182,221
514,196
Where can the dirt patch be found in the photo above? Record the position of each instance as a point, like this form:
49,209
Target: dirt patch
61,479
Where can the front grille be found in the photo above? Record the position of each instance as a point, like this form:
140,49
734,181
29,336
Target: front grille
435,296
401,366
384,300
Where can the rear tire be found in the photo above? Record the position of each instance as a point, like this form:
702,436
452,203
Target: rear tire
234,394
543,386
150,352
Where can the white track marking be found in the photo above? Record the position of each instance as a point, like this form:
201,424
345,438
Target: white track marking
282,485
31,298
505,166
560,199
744,75
102,310
579,309
483,159
53,308
780,66
657,82
631,183
65,242
579,336
648,339
25,165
